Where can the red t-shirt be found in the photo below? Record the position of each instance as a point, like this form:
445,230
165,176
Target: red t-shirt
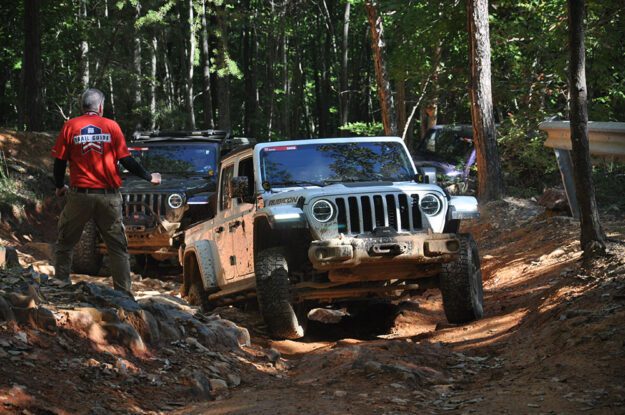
92,145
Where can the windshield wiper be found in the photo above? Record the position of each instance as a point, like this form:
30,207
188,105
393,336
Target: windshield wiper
296,183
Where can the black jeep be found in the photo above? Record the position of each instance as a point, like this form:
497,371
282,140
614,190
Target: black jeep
156,216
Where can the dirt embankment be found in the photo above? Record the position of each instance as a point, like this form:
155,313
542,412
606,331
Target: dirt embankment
28,208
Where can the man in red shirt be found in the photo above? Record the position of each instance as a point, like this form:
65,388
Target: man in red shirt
93,145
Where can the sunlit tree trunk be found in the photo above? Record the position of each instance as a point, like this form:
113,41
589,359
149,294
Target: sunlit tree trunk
84,45
286,87
592,235
344,84
170,92
206,76
153,67
387,106
490,182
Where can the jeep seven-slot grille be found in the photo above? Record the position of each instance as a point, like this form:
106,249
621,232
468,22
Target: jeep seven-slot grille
136,203
359,214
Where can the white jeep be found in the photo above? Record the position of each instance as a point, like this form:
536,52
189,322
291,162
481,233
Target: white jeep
327,221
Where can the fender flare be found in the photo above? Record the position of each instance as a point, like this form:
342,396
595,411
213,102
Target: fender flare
203,253
282,217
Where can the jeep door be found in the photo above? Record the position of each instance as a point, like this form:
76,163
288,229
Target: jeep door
242,227
222,234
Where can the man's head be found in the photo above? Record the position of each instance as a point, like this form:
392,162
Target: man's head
93,100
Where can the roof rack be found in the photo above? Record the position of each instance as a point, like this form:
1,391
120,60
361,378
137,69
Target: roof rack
157,135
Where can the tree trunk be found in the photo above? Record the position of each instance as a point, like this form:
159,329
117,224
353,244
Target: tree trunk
286,87
208,98
32,107
344,80
190,58
387,107
430,112
169,82
249,73
84,45
401,104
592,236
137,59
153,52
490,182
223,81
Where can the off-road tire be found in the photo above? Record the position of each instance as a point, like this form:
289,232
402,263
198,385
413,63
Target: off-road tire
461,284
273,294
197,296
86,259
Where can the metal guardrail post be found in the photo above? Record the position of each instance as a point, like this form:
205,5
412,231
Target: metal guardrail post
565,164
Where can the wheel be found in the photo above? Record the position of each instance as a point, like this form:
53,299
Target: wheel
273,294
197,296
461,284
86,260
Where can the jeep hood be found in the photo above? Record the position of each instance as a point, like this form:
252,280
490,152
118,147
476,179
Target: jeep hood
169,184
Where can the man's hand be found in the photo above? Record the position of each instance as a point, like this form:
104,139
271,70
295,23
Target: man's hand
61,191
156,178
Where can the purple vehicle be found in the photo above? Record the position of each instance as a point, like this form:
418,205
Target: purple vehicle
449,149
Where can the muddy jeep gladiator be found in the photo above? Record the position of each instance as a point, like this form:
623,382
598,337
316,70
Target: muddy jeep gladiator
330,221
156,216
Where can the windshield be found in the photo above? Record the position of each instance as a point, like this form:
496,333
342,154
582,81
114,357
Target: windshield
323,164
197,158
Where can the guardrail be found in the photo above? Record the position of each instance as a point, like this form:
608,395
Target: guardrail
606,142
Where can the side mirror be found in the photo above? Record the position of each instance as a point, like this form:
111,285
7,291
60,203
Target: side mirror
239,187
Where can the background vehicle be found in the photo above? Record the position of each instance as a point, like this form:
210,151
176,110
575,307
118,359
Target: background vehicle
328,221
449,149
155,216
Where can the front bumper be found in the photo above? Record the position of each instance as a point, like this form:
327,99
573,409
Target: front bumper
350,252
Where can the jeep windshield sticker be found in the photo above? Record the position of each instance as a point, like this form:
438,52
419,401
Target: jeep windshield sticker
283,201
280,148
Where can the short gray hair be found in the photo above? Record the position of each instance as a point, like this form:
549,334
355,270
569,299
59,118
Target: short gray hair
91,99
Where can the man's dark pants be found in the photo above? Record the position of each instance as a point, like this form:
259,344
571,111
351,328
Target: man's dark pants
106,211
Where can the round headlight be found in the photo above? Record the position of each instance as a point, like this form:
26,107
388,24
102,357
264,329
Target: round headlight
430,204
175,200
322,210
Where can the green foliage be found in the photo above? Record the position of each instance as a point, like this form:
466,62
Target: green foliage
609,181
527,164
363,129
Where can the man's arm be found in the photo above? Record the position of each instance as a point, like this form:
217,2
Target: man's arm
137,169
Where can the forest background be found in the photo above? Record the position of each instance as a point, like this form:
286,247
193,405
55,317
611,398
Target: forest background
304,68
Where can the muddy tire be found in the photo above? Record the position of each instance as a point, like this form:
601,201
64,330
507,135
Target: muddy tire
86,260
461,284
197,296
273,293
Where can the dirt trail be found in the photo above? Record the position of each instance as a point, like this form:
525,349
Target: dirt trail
552,341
